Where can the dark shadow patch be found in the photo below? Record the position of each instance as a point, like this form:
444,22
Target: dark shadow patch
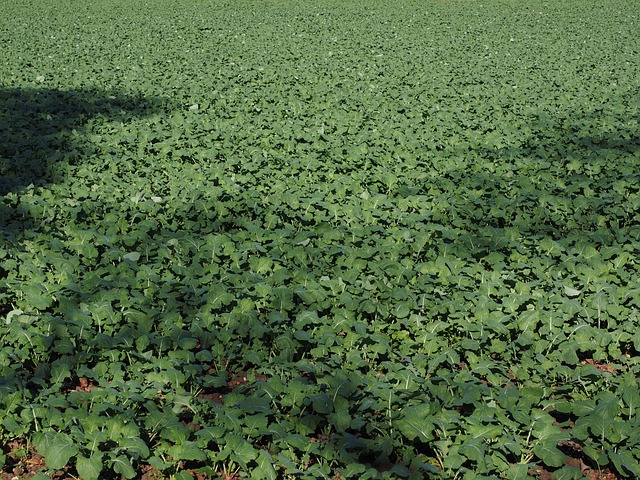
42,127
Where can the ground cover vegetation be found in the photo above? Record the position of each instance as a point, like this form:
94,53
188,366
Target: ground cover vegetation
320,239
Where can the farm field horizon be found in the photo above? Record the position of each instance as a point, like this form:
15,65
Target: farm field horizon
294,239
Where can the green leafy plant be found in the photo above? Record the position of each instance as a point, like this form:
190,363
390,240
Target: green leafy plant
290,239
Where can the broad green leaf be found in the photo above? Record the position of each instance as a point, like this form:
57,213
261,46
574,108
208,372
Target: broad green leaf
453,461
59,372
40,476
582,408
187,451
607,405
265,468
122,466
474,449
132,256
631,398
255,404
596,454
12,426
209,434
182,475
485,431
255,424
340,419
261,265
571,292
56,448
549,454
568,473
322,404
625,462
89,468
157,463
518,472
598,425
353,470
36,296
135,447
176,432
415,424
239,450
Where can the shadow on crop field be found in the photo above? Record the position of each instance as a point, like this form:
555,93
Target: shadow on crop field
42,128
569,179
142,311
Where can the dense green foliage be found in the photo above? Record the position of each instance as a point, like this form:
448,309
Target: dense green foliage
412,225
